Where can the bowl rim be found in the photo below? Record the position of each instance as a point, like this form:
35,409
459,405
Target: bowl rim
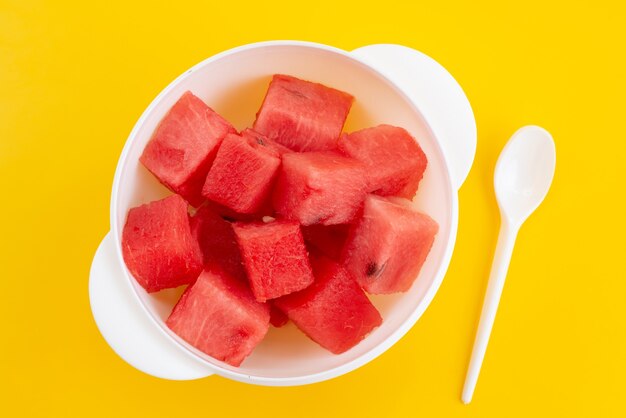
367,356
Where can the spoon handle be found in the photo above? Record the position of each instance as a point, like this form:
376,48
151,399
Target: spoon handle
499,268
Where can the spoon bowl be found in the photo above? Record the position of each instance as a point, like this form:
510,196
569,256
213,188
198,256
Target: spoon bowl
524,173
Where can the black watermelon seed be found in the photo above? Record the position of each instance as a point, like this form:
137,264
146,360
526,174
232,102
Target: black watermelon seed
371,269
374,270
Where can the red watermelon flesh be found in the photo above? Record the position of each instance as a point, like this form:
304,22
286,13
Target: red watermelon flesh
232,216
334,312
242,174
158,247
302,115
265,141
278,318
394,160
319,187
184,145
218,242
275,258
387,247
219,316
328,240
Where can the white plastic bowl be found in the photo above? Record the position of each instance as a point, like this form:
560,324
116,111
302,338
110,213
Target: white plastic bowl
391,84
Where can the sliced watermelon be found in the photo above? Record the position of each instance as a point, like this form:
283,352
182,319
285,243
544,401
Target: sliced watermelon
334,312
242,174
219,316
301,115
388,245
319,187
278,318
275,258
217,242
327,240
184,145
394,160
158,247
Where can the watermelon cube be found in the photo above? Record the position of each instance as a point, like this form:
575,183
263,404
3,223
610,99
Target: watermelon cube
319,187
334,312
275,258
388,245
242,174
394,160
302,115
184,145
218,242
327,240
219,316
158,247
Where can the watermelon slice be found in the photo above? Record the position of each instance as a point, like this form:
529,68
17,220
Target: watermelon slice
334,312
319,187
301,115
217,242
278,319
158,247
184,145
219,316
387,247
275,258
242,174
394,160
327,240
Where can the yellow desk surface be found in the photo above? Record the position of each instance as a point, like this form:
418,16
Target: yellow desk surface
74,78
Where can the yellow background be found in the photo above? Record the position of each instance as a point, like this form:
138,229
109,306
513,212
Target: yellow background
74,78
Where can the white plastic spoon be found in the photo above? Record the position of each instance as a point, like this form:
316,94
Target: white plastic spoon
523,176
